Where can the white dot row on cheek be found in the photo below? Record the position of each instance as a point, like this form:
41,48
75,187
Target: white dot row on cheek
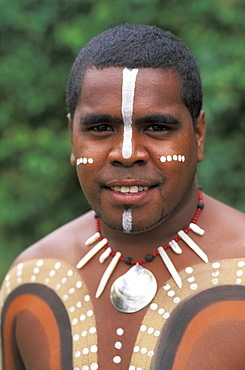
175,157
84,160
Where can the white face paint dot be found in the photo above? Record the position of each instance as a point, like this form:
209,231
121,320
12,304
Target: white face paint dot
166,315
136,349
143,328
85,161
151,353
189,270
70,273
179,158
132,367
85,367
39,263
215,281
90,160
84,333
77,354
51,273
183,158
82,317
76,337
79,304
215,273
87,298
169,158
64,280
36,270
163,158
90,313
166,287
157,333
191,279
175,157
238,281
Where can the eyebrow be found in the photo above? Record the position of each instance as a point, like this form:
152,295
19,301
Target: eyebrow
100,118
158,118
91,119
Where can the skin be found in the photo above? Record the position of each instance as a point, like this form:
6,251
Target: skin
166,195
158,214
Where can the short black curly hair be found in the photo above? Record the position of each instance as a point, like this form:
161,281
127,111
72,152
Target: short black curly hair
138,46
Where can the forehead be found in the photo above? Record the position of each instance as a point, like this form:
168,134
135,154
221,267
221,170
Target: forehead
154,87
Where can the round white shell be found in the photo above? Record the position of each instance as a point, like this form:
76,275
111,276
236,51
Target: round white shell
134,290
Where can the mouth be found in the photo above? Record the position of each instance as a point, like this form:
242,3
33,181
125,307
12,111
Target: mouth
129,189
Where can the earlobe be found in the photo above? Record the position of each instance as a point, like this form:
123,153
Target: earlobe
200,135
70,126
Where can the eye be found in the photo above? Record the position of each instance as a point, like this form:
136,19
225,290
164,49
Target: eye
158,128
101,128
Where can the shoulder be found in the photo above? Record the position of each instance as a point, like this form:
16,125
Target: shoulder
63,243
225,231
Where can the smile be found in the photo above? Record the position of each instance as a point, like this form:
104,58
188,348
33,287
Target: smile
129,189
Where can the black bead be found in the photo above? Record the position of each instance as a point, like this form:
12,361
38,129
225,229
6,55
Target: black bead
199,187
200,205
128,260
96,216
149,257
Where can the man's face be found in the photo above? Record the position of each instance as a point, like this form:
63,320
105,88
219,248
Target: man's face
134,146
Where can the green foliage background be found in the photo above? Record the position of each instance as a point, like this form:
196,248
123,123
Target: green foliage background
39,41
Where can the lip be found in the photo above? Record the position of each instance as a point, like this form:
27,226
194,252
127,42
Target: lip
129,198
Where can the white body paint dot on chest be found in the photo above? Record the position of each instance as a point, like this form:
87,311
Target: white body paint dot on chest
128,87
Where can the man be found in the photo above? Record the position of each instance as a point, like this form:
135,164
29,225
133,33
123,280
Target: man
160,283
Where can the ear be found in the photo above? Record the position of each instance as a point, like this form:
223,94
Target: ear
70,126
200,135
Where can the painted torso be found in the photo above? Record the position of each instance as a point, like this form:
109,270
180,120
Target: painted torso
178,327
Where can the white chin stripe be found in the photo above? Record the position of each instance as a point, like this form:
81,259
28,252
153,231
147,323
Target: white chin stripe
127,220
175,158
128,87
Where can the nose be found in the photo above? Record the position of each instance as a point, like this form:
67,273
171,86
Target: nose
138,153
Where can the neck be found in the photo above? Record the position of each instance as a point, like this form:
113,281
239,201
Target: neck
136,245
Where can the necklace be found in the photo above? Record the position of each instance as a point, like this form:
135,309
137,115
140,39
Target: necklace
135,289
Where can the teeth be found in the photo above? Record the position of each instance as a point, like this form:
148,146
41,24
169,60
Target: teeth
129,189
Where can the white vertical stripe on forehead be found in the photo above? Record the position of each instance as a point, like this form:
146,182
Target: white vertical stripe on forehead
128,87
127,220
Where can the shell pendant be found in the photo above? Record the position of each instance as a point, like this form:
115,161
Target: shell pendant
134,290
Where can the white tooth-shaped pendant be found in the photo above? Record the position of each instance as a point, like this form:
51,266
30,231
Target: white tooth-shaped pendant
134,290
92,252
107,274
105,255
196,229
92,239
175,247
169,264
193,246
